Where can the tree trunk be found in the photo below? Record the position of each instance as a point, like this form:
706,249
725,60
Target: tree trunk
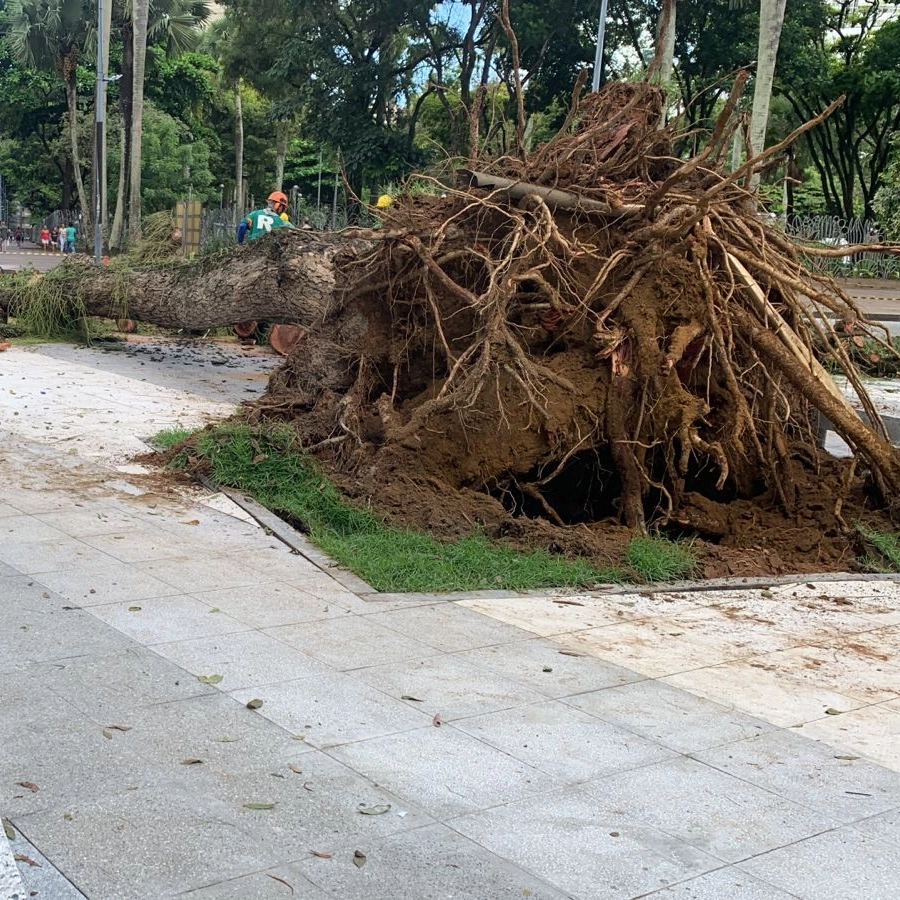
238,154
287,277
140,15
73,144
771,18
117,234
282,134
660,70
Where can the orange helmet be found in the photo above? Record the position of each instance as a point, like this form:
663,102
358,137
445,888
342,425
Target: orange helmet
279,201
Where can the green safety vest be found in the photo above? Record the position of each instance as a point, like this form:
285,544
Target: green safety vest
262,221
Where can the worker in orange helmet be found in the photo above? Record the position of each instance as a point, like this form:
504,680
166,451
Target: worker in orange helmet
263,221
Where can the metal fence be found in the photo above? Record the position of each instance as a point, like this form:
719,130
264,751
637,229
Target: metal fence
218,224
832,231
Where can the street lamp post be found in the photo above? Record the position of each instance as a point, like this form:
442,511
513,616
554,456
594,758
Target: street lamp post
99,139
598,56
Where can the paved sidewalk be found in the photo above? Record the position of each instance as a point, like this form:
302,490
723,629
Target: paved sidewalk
713,745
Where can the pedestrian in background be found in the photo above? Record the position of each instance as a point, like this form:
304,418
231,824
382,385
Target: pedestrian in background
70,239
61,237
45,239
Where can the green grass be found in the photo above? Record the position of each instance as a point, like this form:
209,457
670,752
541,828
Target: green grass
265,463
170,437
657,558
887,545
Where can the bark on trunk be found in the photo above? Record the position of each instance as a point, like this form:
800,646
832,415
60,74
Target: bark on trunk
771,19
140,15
282,132
287,277
73,144
238,155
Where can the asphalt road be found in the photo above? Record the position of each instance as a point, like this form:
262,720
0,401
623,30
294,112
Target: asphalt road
16,260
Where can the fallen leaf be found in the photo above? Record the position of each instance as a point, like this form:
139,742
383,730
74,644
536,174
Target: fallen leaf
210,679
120,727
10,831
68,816
45,595
831,711
359,859
256,703
307,786
547,669
568,603
321,854
437,720
134,609
192,762
226,740
215,609
281,881
295,768
260,457
569,653
410,697
29,785
21,857
858,793
846,757
107,734
192,522
259,806
375,810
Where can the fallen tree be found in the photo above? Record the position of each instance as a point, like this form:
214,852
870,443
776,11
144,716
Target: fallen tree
590,333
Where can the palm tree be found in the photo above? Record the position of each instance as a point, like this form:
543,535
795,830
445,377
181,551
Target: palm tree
49,35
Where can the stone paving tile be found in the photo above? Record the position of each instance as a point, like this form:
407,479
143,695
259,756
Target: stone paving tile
113,583
539,664
29,634
7,510
33,502
872,732
569,841
728,883
428,862
671,717
7,571
160,620
782,700
547,616
141,544
884,827
149,842
447,628
100,518
858,668
810,773
201,572
260,886
332,709
831,866
58,555
243,659
39,876
351,642
270,604
23,529
562,742
214,728
447,685
277,561
687,799
316,808
112,687
463,774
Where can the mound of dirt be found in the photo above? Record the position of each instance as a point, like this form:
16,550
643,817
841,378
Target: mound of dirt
588,340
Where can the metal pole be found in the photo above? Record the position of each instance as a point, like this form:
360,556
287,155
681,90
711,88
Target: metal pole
598,56
99,139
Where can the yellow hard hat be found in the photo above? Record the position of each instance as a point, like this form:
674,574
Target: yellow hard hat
384,201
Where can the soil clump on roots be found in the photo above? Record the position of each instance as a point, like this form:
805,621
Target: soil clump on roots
593,339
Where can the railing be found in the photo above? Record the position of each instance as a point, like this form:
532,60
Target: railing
832,231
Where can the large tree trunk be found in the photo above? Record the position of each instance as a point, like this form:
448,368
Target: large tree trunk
71,102
771,18
140,16
117,234
282,134
660,70
238,154
287,277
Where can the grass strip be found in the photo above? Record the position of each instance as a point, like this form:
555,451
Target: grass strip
264,463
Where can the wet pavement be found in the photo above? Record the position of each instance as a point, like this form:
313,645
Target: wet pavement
734,742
